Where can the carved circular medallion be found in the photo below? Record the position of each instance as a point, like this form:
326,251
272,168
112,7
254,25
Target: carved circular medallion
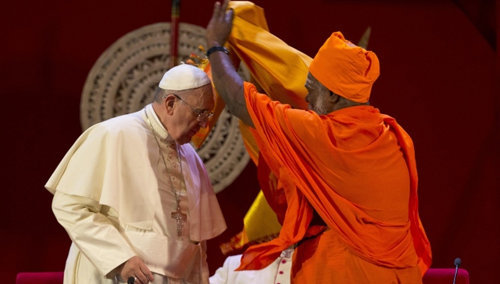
125,76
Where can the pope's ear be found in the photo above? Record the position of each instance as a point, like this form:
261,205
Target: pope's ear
169,103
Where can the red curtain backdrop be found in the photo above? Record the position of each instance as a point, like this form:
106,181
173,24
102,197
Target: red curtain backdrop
439,79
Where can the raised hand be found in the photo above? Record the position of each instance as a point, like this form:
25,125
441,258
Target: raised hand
219,27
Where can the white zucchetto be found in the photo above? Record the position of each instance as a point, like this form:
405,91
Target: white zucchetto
183,77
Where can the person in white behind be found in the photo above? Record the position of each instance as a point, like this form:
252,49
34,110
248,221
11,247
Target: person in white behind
278,272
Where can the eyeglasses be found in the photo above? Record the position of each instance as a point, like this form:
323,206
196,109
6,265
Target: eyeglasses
201,114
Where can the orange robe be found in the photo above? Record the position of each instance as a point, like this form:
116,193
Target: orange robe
355,168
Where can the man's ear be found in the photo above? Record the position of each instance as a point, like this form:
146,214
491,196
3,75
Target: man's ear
169,103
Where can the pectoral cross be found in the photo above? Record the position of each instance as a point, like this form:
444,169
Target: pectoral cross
180,220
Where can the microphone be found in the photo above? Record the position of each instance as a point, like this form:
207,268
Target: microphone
131,280
458,262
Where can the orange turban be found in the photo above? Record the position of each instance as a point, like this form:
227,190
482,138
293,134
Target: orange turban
345,69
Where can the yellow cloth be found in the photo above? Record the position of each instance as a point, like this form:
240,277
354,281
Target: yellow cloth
260,221
281,71
278,68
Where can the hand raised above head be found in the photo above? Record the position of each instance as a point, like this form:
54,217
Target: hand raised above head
220,25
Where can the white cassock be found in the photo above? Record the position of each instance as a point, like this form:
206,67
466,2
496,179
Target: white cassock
278,272
115,197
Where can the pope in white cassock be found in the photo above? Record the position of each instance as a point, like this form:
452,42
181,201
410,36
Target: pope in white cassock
134,196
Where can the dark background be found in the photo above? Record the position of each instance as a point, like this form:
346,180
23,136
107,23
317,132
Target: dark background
439,79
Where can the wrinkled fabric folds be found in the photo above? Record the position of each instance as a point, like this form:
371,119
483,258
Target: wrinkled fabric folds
355,167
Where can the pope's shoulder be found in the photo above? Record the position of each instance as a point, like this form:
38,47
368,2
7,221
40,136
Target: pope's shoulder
120,123
126,125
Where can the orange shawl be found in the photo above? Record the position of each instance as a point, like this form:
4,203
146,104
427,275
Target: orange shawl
355,167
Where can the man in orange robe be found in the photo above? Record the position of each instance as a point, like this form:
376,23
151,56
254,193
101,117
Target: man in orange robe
347,171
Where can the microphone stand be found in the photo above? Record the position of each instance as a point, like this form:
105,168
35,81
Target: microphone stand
458,262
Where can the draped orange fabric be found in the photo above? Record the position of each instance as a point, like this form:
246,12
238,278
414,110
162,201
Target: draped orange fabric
355,167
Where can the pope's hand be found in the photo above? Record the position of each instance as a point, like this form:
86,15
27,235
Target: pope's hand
135,267
219,27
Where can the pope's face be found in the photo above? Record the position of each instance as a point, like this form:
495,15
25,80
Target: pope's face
317,96
191,112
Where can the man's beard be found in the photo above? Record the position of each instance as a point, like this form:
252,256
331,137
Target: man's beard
319,108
